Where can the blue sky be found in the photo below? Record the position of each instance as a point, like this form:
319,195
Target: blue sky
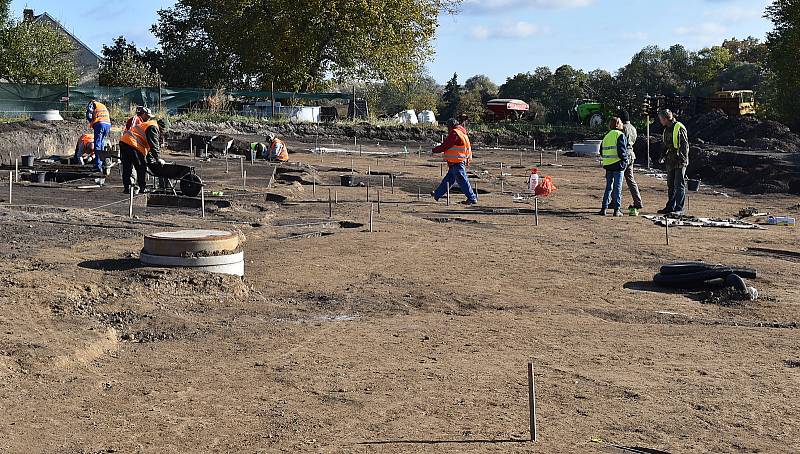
498,38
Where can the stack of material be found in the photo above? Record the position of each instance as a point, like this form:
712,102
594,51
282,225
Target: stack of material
701,274
212,251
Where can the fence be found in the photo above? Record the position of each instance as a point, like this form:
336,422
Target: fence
21,99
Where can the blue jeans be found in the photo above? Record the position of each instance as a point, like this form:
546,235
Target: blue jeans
613,195
101,132
676,184
457,174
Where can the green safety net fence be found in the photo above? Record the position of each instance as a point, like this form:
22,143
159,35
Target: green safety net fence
23,98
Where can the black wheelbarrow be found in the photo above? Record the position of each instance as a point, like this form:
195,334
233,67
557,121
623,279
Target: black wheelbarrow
185,176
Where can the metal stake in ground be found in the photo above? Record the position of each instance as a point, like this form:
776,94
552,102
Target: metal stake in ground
191,147
419,193
666,228
16,170
441,169
391,179
330,204
10,186
241,165
383,181
244,181
541,158
130,206
448,194
536,209
203,202
367,186
379,202
532,402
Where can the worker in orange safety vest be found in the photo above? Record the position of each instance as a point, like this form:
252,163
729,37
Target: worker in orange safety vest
84,150
99,118
457,151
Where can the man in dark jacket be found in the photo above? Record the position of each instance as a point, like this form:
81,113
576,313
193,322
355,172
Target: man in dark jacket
614,152
676,158
139,148
631,135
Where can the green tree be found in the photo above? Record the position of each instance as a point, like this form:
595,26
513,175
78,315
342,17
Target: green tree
299,44
707,64
5,7
748,50
784,54
451,97
421,94
36,53
568,86
124,66
471,103
484,85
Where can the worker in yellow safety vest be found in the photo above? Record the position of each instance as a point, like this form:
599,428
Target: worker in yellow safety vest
676,159
99,118
276,149
139,149
457,152
614,153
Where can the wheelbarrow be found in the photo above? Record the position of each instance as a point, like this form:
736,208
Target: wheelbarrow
185,177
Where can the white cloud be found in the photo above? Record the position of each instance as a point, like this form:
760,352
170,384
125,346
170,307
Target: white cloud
706,29
735,14
516,30
505,6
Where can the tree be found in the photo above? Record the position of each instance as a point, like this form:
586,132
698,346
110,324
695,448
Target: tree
529,87
568,86
189,57
450,99
707,64
36,53
298,44
421,94
124,65
471,104
484,85
748,50
5,16
784,54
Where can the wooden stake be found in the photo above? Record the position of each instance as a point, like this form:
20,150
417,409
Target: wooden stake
16,170
379,202
191,147
206,155
448,194
314,184
330,204
391,179
441,169
203,202
541,158
10,186
367,189
383,181
419,193
536,209
352,166
130,206
241,165
532,402
244,181
371,209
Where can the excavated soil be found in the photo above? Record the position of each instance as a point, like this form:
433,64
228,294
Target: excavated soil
412,338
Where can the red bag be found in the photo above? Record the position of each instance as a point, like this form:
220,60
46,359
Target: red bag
546,187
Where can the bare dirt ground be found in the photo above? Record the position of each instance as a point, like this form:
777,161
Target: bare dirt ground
414,338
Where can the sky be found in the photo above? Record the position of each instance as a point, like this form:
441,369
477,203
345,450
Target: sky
498,38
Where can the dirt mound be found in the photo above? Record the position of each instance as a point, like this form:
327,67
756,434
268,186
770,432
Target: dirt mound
748,132
50,138
364,131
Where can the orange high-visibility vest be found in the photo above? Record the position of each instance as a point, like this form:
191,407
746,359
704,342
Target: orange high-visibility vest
137,137
459,153
87,139
283,153
100,114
